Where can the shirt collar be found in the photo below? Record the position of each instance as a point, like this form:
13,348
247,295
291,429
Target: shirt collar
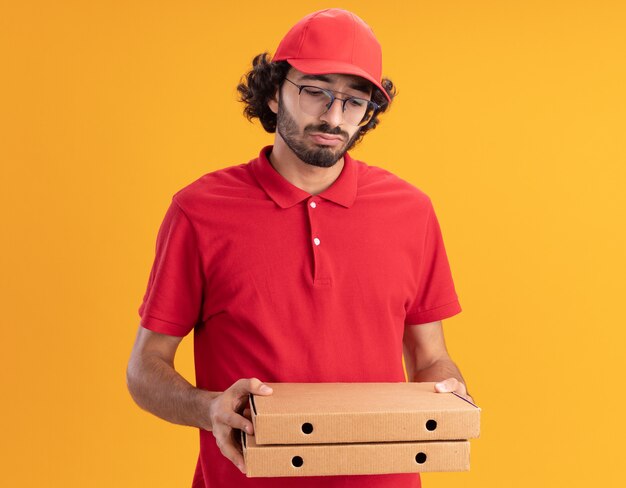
342,191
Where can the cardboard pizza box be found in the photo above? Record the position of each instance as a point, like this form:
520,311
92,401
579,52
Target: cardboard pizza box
353,459
335,413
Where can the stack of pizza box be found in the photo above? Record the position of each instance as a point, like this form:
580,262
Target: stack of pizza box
323,429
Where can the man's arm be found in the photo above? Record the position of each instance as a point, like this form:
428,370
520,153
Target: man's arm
156,387
426,358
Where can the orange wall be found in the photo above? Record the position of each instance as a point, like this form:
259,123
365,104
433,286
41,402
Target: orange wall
510,115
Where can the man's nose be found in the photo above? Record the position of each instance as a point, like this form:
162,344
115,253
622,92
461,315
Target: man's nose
334,115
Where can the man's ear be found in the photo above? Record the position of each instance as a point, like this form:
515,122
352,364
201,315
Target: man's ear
272,103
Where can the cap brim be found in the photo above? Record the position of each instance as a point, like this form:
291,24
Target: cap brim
325,67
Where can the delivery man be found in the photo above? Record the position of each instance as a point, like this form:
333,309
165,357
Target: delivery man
301,265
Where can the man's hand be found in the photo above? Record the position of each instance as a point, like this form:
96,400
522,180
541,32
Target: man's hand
158,388
226,413
452,385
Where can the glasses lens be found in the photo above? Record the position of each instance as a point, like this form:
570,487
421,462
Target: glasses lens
315,101
358,111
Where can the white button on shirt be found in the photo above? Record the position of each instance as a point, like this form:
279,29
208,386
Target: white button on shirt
316,241
313,204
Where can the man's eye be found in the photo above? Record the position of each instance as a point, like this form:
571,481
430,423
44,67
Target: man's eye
357,102
313,92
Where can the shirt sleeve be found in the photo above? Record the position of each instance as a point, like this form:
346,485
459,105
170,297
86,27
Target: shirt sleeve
436,297
172,303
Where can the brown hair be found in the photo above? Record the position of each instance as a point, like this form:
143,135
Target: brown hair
258,87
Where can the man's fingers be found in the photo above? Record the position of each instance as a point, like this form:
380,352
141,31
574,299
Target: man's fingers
226,418
257,387
229,449
453,385
236,421
450,385
251,385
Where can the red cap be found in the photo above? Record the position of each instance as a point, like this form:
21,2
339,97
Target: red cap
333,41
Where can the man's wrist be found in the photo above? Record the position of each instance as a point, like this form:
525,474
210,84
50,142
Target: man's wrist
201,401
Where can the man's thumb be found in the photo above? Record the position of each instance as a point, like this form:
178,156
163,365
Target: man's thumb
447,386
257,387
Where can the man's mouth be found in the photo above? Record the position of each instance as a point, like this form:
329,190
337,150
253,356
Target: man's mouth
324,139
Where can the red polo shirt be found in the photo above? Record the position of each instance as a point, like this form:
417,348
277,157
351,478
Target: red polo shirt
286,286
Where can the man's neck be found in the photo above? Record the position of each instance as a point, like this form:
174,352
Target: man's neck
311,179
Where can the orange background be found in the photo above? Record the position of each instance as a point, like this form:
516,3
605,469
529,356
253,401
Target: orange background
510,115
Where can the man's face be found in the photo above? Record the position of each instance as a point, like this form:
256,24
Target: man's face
318,140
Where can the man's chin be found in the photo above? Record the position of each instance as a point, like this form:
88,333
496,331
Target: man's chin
316,155
338,151
323,162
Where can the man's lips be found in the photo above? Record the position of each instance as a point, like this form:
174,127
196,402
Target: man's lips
326,139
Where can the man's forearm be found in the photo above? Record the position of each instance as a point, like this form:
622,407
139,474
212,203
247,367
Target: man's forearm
158,388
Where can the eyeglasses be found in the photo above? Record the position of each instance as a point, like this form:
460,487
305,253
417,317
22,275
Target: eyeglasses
317,101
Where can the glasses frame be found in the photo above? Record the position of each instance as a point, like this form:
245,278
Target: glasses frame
343,101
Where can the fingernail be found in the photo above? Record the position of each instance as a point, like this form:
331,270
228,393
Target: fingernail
265,389
249,429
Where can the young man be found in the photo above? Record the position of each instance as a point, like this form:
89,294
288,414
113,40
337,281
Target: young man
302,265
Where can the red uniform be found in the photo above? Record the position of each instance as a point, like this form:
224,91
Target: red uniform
286,286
